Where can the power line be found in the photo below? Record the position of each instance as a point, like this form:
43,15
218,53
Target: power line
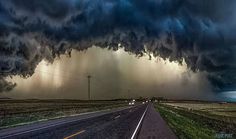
98,81
89,77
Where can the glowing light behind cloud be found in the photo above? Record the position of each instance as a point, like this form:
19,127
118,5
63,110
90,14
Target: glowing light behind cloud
115,74
50,74
228,96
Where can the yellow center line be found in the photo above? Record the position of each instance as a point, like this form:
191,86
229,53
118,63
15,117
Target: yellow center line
75,134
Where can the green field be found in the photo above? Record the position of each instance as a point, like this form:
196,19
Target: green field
226,111
200,119
19,112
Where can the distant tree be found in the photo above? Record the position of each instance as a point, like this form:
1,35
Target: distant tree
158,99
153,99
141,99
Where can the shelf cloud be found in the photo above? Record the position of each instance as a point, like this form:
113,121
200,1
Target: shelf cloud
200,32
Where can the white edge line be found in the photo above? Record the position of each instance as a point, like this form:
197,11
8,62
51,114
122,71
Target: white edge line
135,131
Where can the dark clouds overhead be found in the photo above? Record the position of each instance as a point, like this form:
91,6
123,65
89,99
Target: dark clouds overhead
202,32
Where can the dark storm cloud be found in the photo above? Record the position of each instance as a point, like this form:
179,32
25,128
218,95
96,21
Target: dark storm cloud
5,85
201,32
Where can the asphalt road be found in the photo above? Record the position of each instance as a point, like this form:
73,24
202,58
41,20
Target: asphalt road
114,124
154,127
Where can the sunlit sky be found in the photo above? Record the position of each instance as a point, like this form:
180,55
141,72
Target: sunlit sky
115,74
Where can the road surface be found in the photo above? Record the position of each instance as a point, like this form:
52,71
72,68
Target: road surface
154,127
123,123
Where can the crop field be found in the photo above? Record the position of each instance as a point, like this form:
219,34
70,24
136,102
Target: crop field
200,119
220,111
19,112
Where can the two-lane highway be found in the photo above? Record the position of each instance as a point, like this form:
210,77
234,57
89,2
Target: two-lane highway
115,124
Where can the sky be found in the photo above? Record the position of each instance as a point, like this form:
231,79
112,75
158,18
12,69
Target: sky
115,74
198,35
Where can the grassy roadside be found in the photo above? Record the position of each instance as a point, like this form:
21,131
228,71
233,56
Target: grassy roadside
225,112
15,113
187,125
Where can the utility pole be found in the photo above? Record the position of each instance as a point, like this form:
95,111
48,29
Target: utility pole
89,77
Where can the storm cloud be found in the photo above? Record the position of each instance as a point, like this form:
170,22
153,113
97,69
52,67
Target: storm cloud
200,32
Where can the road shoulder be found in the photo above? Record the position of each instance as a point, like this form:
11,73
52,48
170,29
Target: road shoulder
154,127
